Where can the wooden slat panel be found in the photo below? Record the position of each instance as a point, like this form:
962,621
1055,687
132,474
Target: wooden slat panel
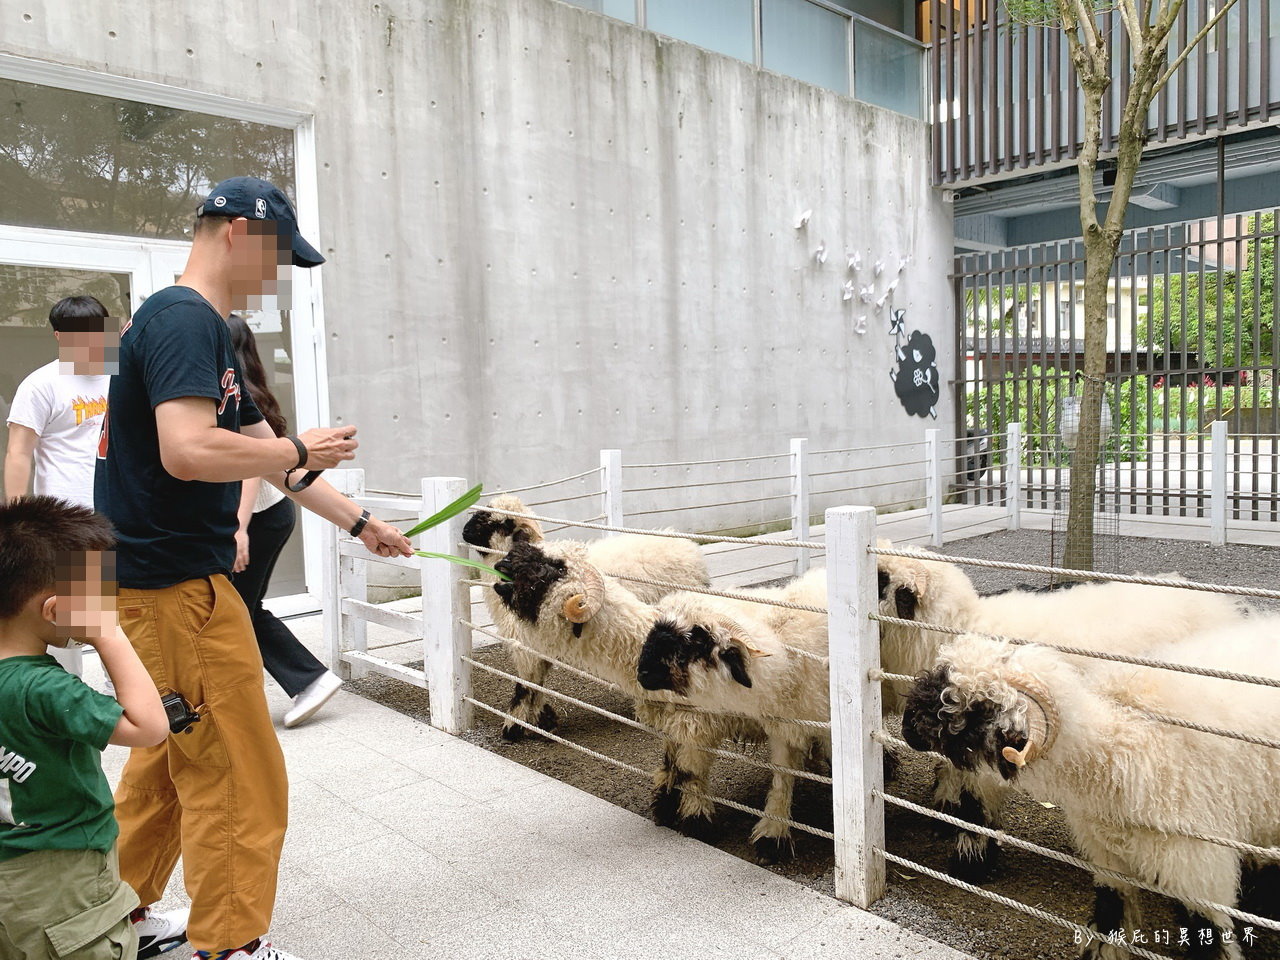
978,83
941,116
387,668
967,94
1202,71
1055,105
1264,61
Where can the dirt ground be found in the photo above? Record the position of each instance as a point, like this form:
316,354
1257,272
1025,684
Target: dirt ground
930,907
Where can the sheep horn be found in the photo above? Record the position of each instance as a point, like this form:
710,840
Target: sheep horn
585,604
1042,721
738,634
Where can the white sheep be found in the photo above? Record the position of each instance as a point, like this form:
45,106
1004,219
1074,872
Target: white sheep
649,558
742,657
1075,732
573,612
1117,617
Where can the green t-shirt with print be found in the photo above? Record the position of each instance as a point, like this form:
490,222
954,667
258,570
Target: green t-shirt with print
53,729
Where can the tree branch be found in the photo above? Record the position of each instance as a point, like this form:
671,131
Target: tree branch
1083,18
1133,24
1192,43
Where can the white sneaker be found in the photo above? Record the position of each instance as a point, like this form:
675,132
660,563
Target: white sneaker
161,932
313,698
265,951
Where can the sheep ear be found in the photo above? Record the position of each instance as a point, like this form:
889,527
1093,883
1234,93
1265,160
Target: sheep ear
906,600
731,657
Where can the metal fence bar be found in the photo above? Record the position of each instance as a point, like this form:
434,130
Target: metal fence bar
933,481
1218,478
611,483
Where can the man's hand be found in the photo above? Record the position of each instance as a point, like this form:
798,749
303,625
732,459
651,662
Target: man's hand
328,446
242,551
385,540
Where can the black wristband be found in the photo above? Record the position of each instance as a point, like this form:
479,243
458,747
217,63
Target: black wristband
360,524
302,453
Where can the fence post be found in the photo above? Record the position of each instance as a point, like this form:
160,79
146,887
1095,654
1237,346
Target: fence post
933,483
1218,484
611,484
1013,475
857,760
800,498
445,601
343,576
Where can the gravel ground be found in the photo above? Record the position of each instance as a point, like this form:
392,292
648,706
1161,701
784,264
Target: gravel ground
927,906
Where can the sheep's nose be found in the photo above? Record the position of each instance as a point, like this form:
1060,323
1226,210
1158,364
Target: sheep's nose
504,567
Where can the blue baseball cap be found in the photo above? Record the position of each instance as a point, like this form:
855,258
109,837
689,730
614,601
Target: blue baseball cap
256,199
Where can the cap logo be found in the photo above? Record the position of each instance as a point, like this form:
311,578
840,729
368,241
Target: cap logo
219,201
260,208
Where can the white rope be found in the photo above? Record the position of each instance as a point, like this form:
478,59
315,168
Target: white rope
1215,731
703,463
815,724
709,483
1085,933
709,506
1080,574
547,483
637,725
1091,654
1002,837
670,535
579,496
881,446
647,775
729,595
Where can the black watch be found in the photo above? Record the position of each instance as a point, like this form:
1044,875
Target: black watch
361,523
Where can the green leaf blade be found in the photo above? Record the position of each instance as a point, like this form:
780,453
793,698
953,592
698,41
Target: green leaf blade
464,502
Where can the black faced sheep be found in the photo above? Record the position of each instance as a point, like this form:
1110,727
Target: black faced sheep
1079,733
1117,617
750,658
652,558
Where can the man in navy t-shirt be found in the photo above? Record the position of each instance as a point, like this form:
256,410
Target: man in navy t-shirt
179,436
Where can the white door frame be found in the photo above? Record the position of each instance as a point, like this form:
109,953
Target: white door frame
102,252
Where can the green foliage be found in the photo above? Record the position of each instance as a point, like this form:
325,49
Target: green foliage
1220,316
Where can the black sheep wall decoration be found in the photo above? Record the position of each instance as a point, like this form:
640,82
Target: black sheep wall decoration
915,379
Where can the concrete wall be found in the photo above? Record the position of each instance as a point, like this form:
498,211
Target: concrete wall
550,232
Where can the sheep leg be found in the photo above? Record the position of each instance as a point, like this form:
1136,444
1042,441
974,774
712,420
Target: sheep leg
1191,870
529,705
691,779
665,806
1115,916
772,839
978,798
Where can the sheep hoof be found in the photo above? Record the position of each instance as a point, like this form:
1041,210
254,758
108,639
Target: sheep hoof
513,733
697,828
665,807
771,850
547,719
976,869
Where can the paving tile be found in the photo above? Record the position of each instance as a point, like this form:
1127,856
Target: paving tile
851,932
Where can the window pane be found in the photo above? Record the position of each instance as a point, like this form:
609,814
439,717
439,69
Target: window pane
720,25
895,14
78,161
26,339
807,42
887,70
621,9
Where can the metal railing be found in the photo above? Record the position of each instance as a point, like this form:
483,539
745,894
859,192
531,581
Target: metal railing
1005,95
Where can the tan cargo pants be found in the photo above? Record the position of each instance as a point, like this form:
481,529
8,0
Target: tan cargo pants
217,794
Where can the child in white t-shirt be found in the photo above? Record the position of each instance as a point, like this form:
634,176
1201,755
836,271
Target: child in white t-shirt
56,415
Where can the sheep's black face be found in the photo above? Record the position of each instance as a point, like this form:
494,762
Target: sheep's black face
484,528
532,574
896,601
669,652
968,740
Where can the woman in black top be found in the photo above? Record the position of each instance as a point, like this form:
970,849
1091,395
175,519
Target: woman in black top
267,518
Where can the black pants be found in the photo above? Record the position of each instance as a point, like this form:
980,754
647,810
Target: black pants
290,663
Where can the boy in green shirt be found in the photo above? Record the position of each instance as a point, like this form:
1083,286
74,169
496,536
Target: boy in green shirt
60,890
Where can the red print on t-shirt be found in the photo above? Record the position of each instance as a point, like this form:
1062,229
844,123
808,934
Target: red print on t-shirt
229,389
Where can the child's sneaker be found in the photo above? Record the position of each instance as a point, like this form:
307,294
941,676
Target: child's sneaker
159,932
258,950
